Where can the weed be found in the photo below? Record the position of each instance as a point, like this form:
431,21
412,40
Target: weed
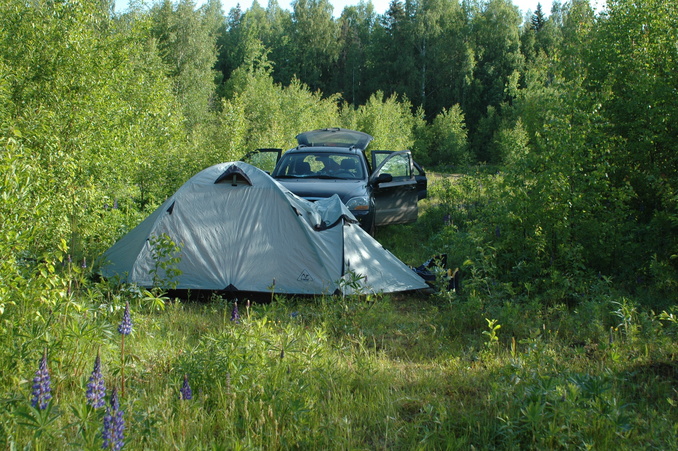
166,257
492,337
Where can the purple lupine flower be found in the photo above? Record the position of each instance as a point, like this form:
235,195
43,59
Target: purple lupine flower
115,401
235,316
42,391
114,425
125,327
108,425
96,389
186,392
115,204
119,429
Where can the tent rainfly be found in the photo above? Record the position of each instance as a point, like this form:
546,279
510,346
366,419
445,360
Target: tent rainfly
240,230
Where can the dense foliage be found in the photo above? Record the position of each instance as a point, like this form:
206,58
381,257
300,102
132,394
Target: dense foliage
562,214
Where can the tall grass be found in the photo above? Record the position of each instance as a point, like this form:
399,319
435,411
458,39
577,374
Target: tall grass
447,371
330,373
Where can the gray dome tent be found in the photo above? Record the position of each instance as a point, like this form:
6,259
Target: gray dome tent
240,230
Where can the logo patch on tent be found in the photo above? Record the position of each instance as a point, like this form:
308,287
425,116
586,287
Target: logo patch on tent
305,276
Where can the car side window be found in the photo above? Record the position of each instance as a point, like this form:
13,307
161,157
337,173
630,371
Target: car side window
399,167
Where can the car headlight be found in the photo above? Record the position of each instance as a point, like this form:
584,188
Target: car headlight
358,203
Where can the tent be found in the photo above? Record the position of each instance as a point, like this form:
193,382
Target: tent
240,230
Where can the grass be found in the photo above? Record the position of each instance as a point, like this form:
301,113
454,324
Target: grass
392,373
447,371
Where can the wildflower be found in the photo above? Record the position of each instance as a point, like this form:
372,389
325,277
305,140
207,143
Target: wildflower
115,400
96,390
84,263
125,327
42,391
114,424
186,392
235,316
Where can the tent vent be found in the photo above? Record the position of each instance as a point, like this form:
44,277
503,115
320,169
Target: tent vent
171,208
234,175
230,288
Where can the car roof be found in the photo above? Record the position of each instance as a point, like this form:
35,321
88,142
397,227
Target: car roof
334,137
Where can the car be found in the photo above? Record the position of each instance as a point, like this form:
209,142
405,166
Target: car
334,161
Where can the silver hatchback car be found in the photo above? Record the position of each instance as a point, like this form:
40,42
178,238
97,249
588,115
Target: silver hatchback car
333,161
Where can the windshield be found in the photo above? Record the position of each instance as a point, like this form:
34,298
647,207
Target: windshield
319,165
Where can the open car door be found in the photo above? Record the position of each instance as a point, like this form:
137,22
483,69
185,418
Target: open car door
264,159
395,187
422,181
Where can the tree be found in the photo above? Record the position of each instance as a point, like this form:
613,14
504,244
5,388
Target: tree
538,20
387,119
93,116
261,113
186,38
496,48
447,139
279,42
541,34
632,64
578,21
313,38
228,58
350,74
444,56
391,60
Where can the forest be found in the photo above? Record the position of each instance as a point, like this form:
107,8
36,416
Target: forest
551,143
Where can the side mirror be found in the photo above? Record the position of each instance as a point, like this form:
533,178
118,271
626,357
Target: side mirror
383,178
